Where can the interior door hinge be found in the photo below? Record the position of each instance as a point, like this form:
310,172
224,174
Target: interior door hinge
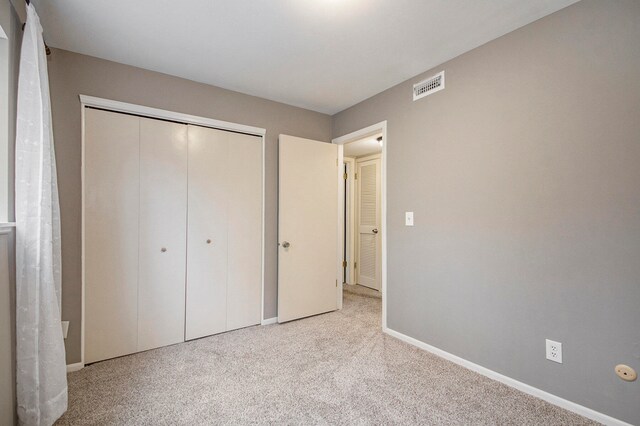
346,176
336,283
355,176
344,263
355,265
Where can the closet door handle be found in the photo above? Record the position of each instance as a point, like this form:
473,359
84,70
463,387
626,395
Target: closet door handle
163,249
375,231
286,244
208,241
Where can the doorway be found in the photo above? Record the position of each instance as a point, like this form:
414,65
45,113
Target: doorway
363,206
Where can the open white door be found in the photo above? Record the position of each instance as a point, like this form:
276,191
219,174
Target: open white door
308,226
369,247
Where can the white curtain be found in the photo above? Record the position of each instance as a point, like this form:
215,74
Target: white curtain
40,356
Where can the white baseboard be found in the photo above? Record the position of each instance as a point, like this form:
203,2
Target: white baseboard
269,321
75,367
538,393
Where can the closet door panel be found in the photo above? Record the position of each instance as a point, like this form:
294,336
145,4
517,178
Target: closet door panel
111,202
207,232
163,223
244,282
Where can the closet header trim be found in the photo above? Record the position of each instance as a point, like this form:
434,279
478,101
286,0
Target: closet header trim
117,106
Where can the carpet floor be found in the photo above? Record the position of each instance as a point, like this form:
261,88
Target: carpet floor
362,290
337,368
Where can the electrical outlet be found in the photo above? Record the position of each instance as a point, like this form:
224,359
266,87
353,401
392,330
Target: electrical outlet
554,351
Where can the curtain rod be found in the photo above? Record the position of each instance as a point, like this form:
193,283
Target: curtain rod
46,48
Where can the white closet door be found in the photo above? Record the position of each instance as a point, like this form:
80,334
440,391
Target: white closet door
207,232
111,202
369,248
163,223
244,215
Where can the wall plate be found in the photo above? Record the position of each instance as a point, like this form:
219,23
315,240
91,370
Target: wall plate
554,351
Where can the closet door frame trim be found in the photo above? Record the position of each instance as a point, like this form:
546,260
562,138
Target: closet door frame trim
149,112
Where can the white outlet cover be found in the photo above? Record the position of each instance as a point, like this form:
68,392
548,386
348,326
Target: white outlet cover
408,218
554,351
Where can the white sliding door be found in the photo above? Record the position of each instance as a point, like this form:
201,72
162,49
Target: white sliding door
163,214
111,203
207,232
244,215
369,271
307,227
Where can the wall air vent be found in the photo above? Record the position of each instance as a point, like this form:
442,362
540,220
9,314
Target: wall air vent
428,86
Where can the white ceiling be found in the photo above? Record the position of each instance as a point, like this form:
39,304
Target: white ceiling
362,147
324,55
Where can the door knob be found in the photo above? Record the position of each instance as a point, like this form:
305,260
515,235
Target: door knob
375,231
163,249
286,244
208,241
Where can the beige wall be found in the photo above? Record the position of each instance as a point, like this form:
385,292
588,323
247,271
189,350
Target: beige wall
72,74
7,330
524,176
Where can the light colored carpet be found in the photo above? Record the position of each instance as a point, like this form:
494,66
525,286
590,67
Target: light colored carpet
336,368
362,290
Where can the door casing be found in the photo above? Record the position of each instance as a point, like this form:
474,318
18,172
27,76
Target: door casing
349,226
380,127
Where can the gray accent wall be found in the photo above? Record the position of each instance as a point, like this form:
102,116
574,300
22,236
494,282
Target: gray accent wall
72,74
524,176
